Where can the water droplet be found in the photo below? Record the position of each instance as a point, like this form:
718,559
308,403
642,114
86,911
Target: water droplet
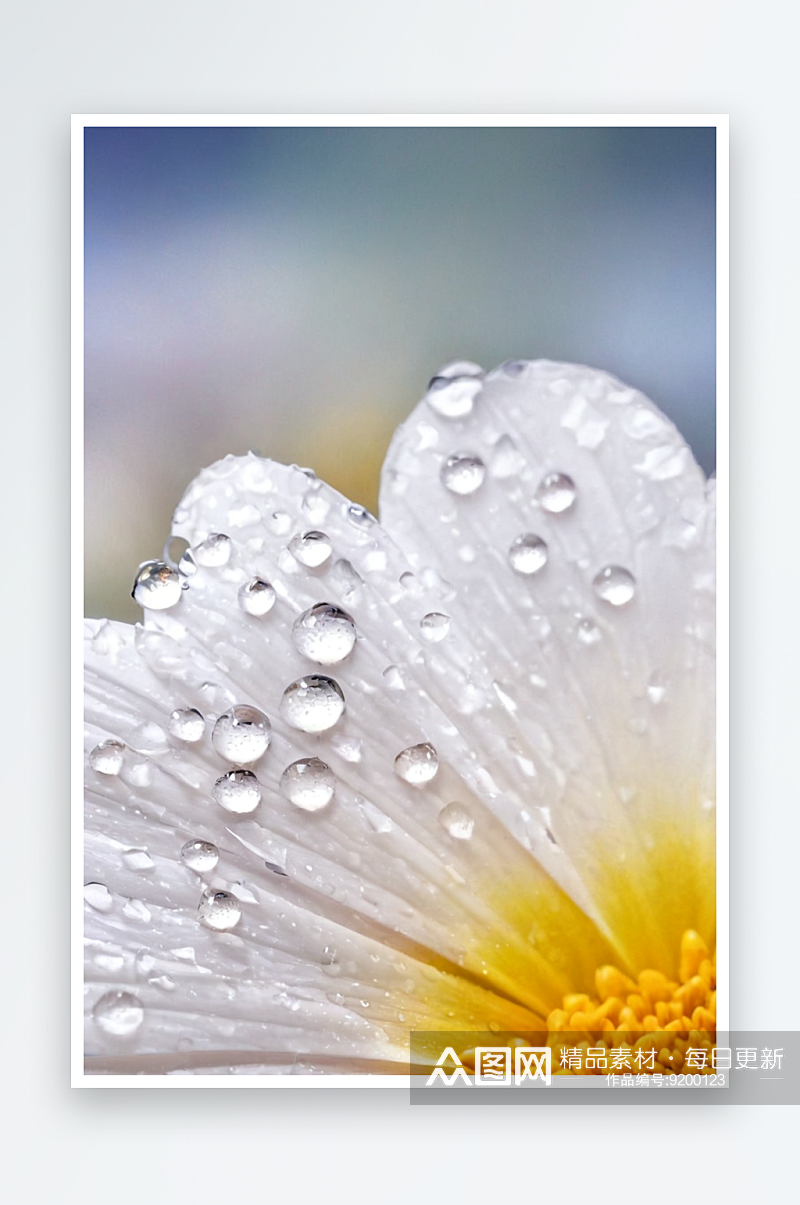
157,586
325,634
528,554
98,896
118,1013
556,493
187,565
589,632
137,859
148,737
435,626
312,548
457,821
256,597
360,517
393,677
200,856
313,703
238,791
187,724
308,784
214,552
241,735
453,390
615,585
417,764
107,757
463,473
507,461
219,910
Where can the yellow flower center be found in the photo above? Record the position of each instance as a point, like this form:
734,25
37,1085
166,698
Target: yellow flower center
652,1013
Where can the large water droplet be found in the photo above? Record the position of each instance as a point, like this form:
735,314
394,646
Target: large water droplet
453,390
107,757
187,724
435,626
157,586
417,764
528,554
308,784
256,597
312,548
219,910
241,735
238,791
313,703
325,634
463,473
457,821
118,1013
214,552
200,856
556,493
615,585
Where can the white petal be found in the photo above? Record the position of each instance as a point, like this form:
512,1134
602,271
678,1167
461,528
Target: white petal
596,717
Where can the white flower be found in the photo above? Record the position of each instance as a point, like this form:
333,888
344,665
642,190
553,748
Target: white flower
455,765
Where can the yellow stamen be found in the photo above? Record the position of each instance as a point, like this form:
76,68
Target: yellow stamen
653,1013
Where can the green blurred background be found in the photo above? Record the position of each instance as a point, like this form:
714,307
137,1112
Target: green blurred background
292,291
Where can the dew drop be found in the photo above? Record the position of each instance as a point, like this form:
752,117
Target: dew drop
219,910
238,791
615,585
118,1013
157,586
513,368
241,735
256,597
556,493
308,784
214,552
98,896
418,764
463,473
107,757
452,392
434,626
313,704
456,821
187,565
325,634
200,856
137,859
393,677
588,632
312,548
528,554
187,724
360,517
507,460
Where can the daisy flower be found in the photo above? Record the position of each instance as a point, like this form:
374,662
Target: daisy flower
453,771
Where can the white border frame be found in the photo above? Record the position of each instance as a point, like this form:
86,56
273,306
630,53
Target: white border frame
499,120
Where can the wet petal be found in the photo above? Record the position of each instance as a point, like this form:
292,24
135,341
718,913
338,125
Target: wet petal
582,575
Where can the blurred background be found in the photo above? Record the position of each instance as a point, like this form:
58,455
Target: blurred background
292,291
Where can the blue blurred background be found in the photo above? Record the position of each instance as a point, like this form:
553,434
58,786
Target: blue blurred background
292,291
